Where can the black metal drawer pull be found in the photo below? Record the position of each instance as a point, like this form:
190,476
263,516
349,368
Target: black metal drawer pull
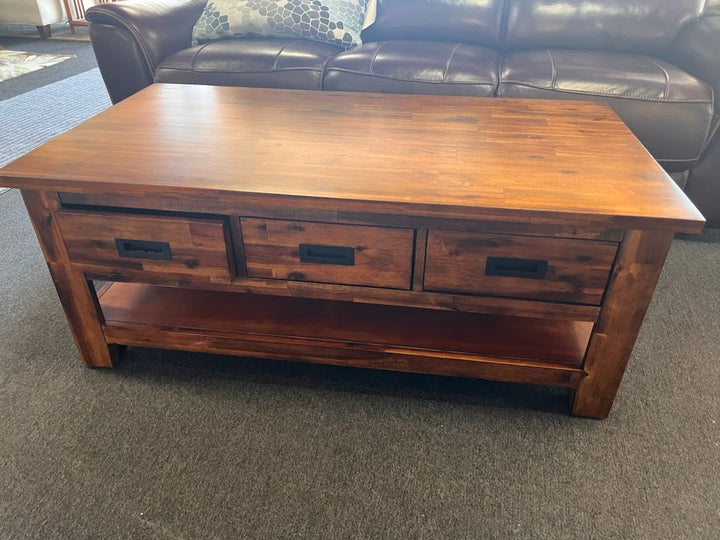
519,268
314,253
143,249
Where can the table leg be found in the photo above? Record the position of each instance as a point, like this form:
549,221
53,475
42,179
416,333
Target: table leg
637,269
76,293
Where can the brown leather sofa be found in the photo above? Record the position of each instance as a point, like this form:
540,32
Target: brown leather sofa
656,62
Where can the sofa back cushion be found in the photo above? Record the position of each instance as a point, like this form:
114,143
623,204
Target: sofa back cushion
638,26
468,21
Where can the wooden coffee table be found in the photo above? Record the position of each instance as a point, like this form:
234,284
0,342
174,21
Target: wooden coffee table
501,239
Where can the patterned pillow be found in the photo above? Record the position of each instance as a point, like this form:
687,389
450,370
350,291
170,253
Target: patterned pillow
334,21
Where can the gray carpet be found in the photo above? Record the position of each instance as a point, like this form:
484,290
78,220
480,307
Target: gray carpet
36,116
182,445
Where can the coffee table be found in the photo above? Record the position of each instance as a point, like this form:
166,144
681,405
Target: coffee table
516,240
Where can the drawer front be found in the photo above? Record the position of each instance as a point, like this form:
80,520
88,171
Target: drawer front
328,253
536,268
156,244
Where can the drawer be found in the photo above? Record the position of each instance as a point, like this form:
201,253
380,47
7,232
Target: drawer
157,244
328,252
537,268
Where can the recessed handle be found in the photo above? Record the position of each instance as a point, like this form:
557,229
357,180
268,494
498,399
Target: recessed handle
143,249
519,268
315,253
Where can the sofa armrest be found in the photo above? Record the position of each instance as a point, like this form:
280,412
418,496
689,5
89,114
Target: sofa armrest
696,51
131,38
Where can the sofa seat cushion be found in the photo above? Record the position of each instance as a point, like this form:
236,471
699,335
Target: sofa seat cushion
669,110
415,67
268,63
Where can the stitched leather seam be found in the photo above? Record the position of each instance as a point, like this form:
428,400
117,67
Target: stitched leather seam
553,72
372,60
133,31
499,66
712,132
708,137
192,62
603,94
284,70
447,64
220,72
277,56
713,126
323,73
666,92
375,76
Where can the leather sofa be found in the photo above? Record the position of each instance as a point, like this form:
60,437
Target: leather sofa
656,62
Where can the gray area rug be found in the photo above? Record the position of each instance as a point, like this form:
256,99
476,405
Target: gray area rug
35,117
83,59
17,63
183,445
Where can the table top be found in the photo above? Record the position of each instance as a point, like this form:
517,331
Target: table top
570,160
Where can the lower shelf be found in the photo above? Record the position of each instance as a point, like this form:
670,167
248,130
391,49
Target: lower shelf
383,337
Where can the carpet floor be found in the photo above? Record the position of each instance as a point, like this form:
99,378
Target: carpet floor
35,117
184,445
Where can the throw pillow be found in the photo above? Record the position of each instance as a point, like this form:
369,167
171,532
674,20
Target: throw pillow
334,21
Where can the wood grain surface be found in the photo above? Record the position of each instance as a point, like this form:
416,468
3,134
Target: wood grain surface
345,324
577,270
485,221
546,160
198,246
75,291
383,257
359,294
446,181
398,359
639,264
